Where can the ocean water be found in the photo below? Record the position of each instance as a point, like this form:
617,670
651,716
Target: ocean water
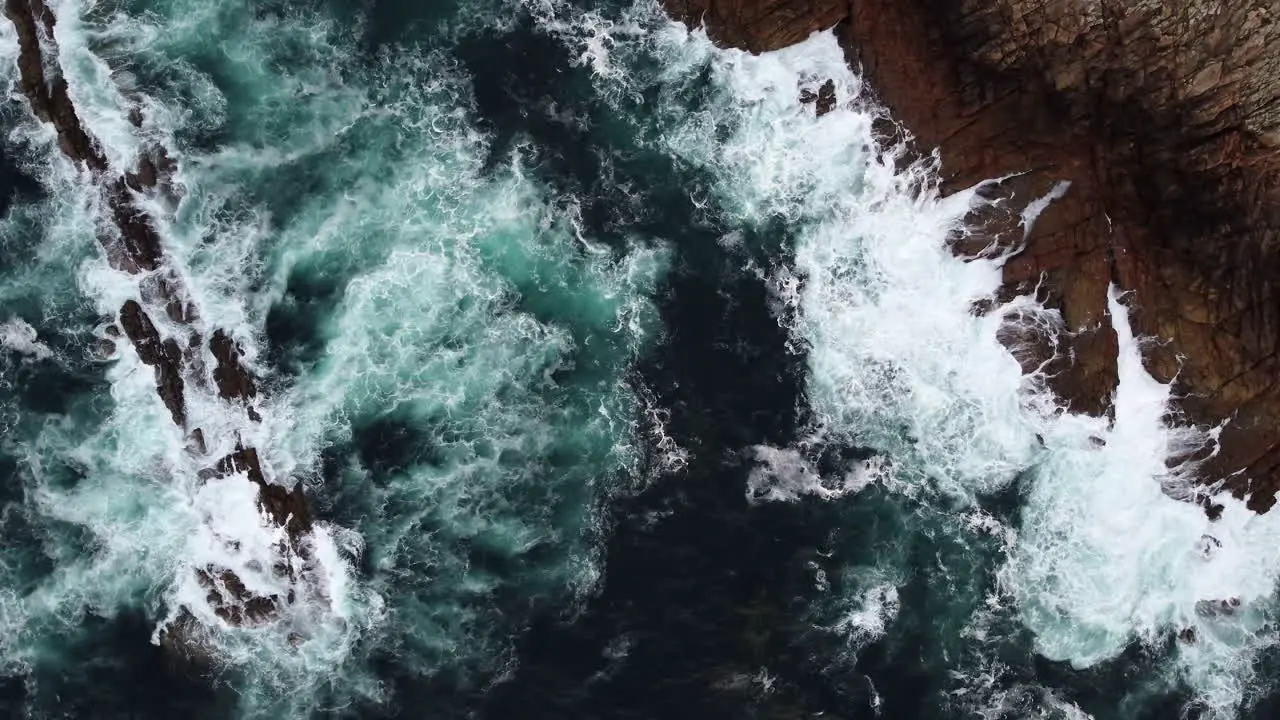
621,385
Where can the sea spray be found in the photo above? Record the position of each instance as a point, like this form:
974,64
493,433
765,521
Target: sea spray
804,189
466,317
1105,556
902,365
254,561
871,274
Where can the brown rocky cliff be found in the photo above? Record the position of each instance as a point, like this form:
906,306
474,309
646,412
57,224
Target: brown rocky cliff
1164,117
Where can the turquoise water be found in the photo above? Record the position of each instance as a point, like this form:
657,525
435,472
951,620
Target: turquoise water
446,354
620,383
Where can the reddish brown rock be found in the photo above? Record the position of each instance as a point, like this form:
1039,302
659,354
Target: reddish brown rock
227,594
136,246
1165,119
232,601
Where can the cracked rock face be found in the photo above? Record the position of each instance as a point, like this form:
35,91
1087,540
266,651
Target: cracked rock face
1165,119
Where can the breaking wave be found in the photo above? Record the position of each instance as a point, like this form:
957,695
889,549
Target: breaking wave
445,358
1096,557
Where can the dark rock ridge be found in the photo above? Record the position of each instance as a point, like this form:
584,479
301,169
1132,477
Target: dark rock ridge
162,354
1164,117
175,350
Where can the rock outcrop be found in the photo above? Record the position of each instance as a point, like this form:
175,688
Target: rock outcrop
1164,117
174,350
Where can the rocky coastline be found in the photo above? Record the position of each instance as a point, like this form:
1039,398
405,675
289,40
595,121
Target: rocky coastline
179,349
1156,125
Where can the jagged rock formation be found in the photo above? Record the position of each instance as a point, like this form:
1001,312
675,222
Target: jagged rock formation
176,353
1164,116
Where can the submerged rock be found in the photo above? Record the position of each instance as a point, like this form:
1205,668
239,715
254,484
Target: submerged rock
1164,117
173,349
824,100
1217,608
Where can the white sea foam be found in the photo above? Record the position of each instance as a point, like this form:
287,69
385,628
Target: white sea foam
1105,557
228,530
1032,211
93,86
898,362
17,335
871,613
470,310
877,300
786,474
882,303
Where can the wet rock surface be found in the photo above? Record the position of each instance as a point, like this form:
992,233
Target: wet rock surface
233,380
824,101
287,508
163,355
173,347
1164,117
